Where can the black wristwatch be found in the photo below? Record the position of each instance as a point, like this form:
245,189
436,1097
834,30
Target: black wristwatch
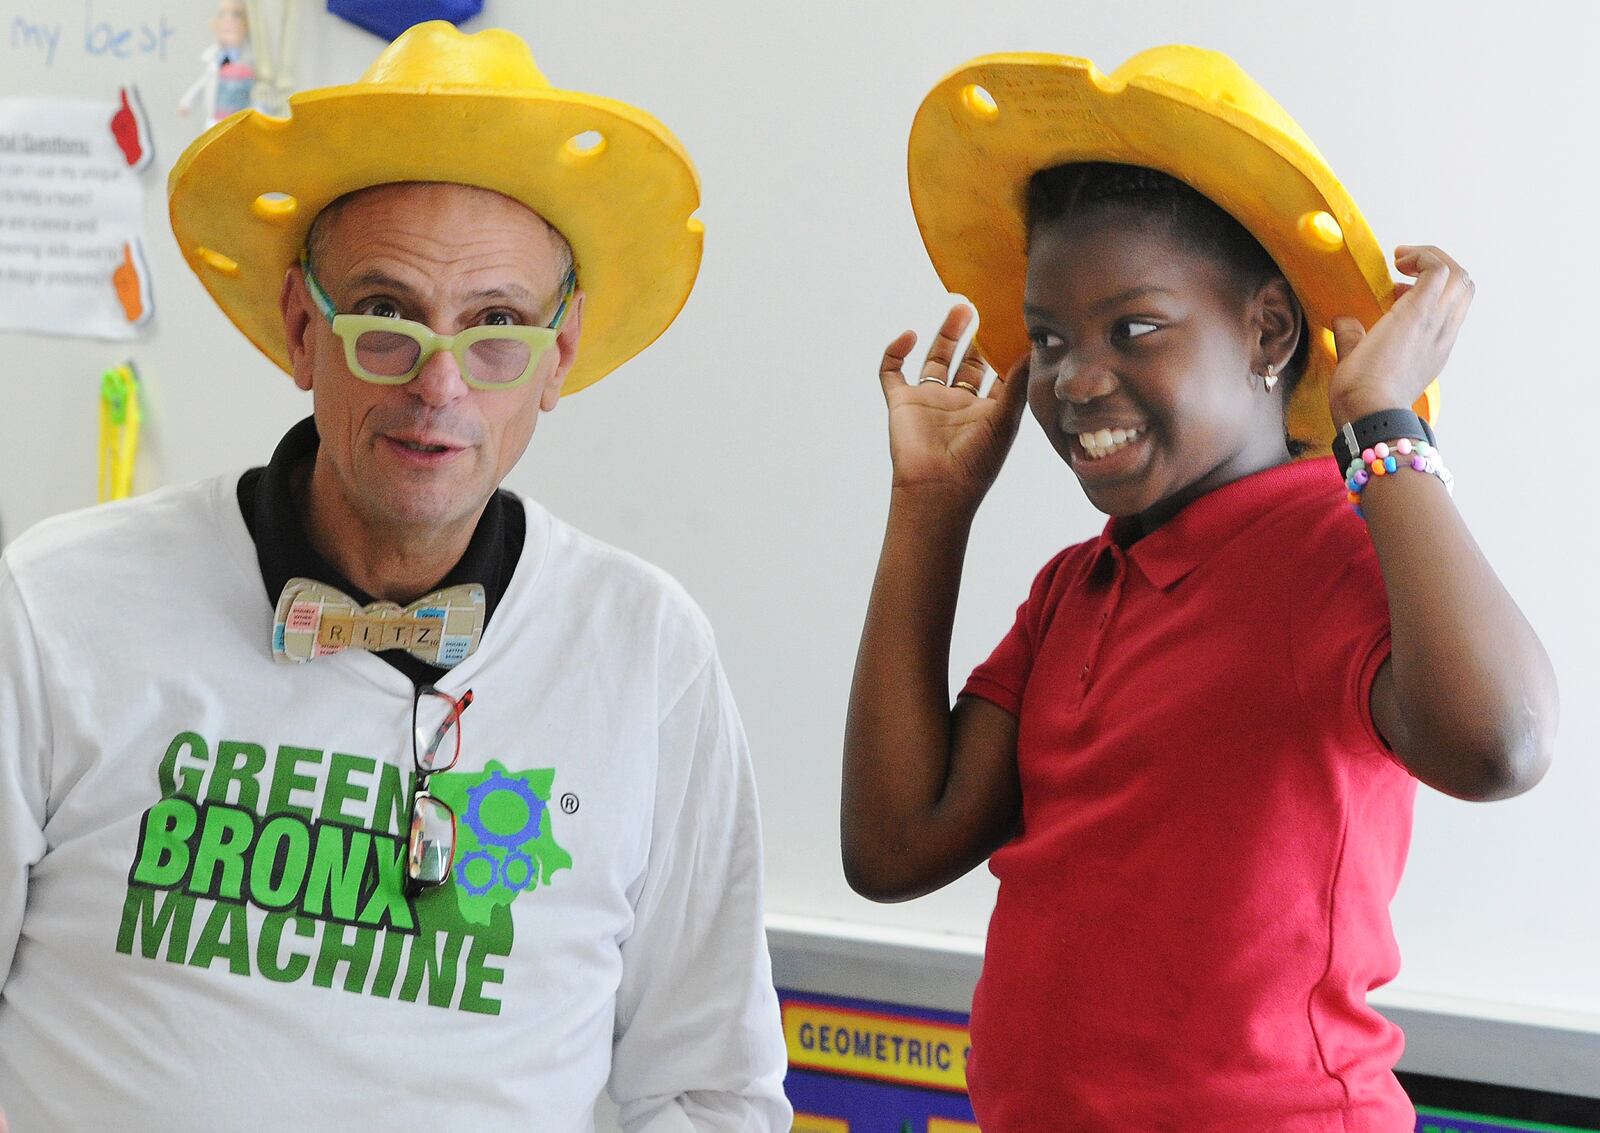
1355,437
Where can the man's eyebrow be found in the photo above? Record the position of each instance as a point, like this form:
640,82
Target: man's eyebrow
513,291
374,278
1138,291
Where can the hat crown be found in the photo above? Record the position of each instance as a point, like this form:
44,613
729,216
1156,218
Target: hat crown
437,54
606,175
1218,79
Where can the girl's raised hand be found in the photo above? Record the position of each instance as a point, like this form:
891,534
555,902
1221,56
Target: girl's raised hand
943,436
1390,365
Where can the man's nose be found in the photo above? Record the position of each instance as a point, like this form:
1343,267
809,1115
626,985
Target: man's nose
440,381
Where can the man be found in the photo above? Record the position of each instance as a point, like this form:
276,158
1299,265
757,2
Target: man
255,872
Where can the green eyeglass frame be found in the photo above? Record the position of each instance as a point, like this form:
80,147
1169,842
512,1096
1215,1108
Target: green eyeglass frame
508,372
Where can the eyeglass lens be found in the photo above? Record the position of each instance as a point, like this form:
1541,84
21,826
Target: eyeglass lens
438,731
433,841
390,354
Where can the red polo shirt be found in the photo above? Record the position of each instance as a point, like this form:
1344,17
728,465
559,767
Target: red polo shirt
1197,904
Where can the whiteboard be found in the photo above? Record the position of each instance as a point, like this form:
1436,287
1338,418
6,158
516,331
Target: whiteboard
746,451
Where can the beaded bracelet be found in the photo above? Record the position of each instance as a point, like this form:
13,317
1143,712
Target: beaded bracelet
1386,458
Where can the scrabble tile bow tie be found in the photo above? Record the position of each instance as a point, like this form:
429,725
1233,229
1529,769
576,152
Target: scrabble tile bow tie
317,620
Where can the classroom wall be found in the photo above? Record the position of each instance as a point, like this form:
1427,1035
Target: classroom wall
746,451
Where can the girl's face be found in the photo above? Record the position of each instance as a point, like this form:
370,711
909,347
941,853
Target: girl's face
1147,360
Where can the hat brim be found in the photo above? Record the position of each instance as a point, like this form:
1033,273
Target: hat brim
988,126
243,197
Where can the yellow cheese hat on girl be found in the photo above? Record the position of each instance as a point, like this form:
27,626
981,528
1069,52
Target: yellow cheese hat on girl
440,105
988,126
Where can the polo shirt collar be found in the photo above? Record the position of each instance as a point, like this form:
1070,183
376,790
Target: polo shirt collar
1167,554
283,551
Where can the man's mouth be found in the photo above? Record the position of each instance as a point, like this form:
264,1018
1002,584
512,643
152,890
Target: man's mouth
427,452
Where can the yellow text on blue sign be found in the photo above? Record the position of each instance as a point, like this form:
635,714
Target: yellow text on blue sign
867,1044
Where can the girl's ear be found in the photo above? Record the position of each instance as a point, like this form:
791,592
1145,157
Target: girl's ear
1278,324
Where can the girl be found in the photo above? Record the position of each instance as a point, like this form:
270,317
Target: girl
1192,760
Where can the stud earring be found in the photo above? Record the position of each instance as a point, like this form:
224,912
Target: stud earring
1270,378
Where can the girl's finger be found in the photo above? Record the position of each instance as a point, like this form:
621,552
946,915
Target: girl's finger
970,374
1011,388
1422,260
1458,277
943,351
1432,277
891,371
1456,312
1347,332
1431,251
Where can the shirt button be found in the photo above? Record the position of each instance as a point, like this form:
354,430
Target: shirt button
1083,674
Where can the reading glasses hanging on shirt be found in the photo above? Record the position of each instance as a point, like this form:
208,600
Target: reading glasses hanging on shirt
435,747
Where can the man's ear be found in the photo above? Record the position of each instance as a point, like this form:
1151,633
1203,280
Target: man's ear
1278,324
294,301
566,347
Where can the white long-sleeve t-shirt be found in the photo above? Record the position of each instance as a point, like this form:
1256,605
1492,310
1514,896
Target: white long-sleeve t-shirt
202,919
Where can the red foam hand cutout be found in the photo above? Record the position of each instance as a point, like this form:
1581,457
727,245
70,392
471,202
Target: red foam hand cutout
125,129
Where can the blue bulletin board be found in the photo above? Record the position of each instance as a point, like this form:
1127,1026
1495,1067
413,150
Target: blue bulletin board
1445,1121
862,1066
856,1066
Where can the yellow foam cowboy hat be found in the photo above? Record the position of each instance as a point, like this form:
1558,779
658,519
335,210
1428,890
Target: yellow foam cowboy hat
989,125
439,105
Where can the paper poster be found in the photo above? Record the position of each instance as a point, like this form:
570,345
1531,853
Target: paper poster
71,216
857,1066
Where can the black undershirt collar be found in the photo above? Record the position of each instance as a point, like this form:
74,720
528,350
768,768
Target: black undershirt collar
266,500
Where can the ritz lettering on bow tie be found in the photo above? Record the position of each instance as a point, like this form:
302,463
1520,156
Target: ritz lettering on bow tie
379,631
317,620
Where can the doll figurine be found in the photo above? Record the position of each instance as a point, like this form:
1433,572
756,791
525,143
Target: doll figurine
225,86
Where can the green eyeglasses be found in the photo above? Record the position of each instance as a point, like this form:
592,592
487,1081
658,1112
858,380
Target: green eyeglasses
392,351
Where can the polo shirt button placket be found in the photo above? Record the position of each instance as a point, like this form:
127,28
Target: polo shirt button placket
1113,598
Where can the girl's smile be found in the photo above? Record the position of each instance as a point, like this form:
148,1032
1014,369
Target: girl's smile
1146,361
1107,455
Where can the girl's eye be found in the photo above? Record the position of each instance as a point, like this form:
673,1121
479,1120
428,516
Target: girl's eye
499,319
1044,340
1134,328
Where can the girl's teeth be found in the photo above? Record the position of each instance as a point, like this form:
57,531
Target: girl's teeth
1106,441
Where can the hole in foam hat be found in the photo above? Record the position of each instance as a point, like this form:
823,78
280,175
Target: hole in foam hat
585,146
979,102
1321,230
217,261
274,206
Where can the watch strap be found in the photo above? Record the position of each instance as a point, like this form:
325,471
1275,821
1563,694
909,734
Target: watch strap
1351,439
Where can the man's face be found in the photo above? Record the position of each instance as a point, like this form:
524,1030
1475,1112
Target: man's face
422,459
231,25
